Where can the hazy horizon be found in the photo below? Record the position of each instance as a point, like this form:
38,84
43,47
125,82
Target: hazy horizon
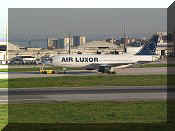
101,23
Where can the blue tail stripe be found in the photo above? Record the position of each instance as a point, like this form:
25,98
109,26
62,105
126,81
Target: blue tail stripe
149,48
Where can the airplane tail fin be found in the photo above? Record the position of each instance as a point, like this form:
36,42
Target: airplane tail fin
149,48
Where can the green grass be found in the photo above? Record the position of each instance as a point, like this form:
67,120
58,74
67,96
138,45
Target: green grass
84,81
38,68
89,112
3,83
3,115
33,68
85,112
3,70
91,127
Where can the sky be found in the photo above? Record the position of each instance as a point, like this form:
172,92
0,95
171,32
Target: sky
38,23
77,4
95,23
3,21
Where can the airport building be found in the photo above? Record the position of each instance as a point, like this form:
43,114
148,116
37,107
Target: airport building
68,42
93,47
98,47
74,41
164,48
37,43
60,43
52,43
3,53
82,40
47,43
61,46
17,51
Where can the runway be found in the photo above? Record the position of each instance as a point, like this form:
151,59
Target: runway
145,71
127,93
124,71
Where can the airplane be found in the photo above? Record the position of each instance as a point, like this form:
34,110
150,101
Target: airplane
145,54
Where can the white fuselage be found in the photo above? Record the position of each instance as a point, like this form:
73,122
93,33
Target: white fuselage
84,60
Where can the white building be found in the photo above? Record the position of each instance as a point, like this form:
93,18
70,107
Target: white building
163,47
74,41
68,41
82,40
98,47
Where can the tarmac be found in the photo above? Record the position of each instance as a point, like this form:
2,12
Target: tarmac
58,94
3,75
124,71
